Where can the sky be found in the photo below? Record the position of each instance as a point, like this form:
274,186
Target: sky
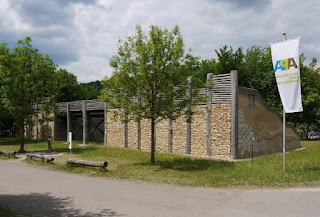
81,35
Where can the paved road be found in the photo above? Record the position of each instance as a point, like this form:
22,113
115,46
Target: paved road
43,192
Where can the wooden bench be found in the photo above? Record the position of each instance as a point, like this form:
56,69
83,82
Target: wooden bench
9,153
102,164
41,156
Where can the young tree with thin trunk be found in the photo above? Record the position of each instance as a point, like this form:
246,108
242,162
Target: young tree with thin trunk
28,83
148,67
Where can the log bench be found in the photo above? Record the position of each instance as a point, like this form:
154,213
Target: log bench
41,156
9,153
102,164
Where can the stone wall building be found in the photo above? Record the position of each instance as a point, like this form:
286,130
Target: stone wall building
223,127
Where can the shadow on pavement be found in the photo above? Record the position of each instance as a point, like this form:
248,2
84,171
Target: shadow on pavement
47,205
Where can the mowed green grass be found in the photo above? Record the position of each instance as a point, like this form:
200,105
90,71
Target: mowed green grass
302,167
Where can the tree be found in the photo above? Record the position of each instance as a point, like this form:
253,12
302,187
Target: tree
308,121
88,91
6,120
148,80
70,89
257,72
28,81
229,60
68,86
200,69
97,84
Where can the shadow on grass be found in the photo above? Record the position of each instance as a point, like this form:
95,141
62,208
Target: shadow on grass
75,150
187,164
16,141
47,205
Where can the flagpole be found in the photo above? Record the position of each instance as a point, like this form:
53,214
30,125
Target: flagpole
284,37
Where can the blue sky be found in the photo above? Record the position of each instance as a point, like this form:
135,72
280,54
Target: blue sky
81,35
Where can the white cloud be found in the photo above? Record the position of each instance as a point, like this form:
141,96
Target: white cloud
89,68
81,35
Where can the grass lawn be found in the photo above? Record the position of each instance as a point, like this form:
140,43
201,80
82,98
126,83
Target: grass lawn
302,167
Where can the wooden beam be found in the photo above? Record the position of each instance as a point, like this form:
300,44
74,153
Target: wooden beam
9,153
170,135
40,156
126,131
209,114
105,137
85,135
103,164
96,126
234,114
189,115
68,121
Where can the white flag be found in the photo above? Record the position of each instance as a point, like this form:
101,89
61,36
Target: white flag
285,58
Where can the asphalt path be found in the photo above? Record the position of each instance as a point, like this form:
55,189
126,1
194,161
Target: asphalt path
44,192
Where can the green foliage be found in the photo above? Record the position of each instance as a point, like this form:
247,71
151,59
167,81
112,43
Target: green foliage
229,60
308,121
28,80
68,86
256,71
97,84
88,91
71,90
149,68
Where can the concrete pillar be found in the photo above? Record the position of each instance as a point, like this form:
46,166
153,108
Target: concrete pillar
209,114
234,114
85,132
189,115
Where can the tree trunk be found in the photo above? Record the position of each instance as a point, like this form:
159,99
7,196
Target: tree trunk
22,140
153,141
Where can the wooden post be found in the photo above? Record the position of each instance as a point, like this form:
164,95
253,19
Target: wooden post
68,121
189,115
94,132
85,123
42,127
170,136
49,145
37,129
126,130
54,132
234,114
105,138
139,127
209,114
139,134
37,124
